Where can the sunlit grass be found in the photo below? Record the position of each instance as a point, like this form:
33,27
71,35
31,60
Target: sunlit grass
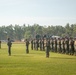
35,63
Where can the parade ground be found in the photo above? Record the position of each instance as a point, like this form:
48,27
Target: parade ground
34,63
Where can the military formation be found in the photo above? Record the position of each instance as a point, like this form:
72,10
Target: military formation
60,45
57,45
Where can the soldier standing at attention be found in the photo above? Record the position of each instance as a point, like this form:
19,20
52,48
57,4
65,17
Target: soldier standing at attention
52,44
32,44
47,47
55,45
60,46
27,46
0,44
72,47
40,44
67,45
43,48
9,43
37,44
63,45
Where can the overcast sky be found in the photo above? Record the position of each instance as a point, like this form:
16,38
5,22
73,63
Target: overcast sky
42,12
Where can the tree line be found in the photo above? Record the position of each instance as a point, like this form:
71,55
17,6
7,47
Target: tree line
18,32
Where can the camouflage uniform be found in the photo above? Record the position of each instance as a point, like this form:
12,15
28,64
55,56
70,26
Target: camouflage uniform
72,47
37,44
47,48
9,43
40,45
32,44
60,46
63,45
55,45
52,44
0,44
43,48
27,46
67,46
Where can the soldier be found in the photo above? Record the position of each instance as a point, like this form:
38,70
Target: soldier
52,44
37,44
67,45
32,44
0,44
63,45
55,45
72,47
75,46
43,48
40,44
9,43
27,46
60,46
47,47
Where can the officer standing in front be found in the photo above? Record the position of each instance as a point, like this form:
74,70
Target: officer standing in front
9,43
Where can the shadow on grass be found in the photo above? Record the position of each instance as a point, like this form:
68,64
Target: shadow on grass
22,55
62,58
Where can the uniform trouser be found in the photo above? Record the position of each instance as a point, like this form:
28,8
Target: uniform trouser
47,51
52,48
32,47
0,46
72,51
40,48
60,49
27,50
9,50
55,48
67,50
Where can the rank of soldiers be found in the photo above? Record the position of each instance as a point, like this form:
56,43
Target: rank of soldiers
60,45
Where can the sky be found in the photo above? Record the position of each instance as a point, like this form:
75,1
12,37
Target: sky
42,12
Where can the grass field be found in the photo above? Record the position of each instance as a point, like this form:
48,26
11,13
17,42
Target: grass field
35,63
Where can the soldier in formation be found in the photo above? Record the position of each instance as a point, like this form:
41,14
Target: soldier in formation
55,42
0,44
47,47
27,46
60,45
72,49
32,44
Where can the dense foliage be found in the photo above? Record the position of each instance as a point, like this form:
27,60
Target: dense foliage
18,32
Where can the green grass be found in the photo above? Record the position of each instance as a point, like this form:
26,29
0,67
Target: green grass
35,63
